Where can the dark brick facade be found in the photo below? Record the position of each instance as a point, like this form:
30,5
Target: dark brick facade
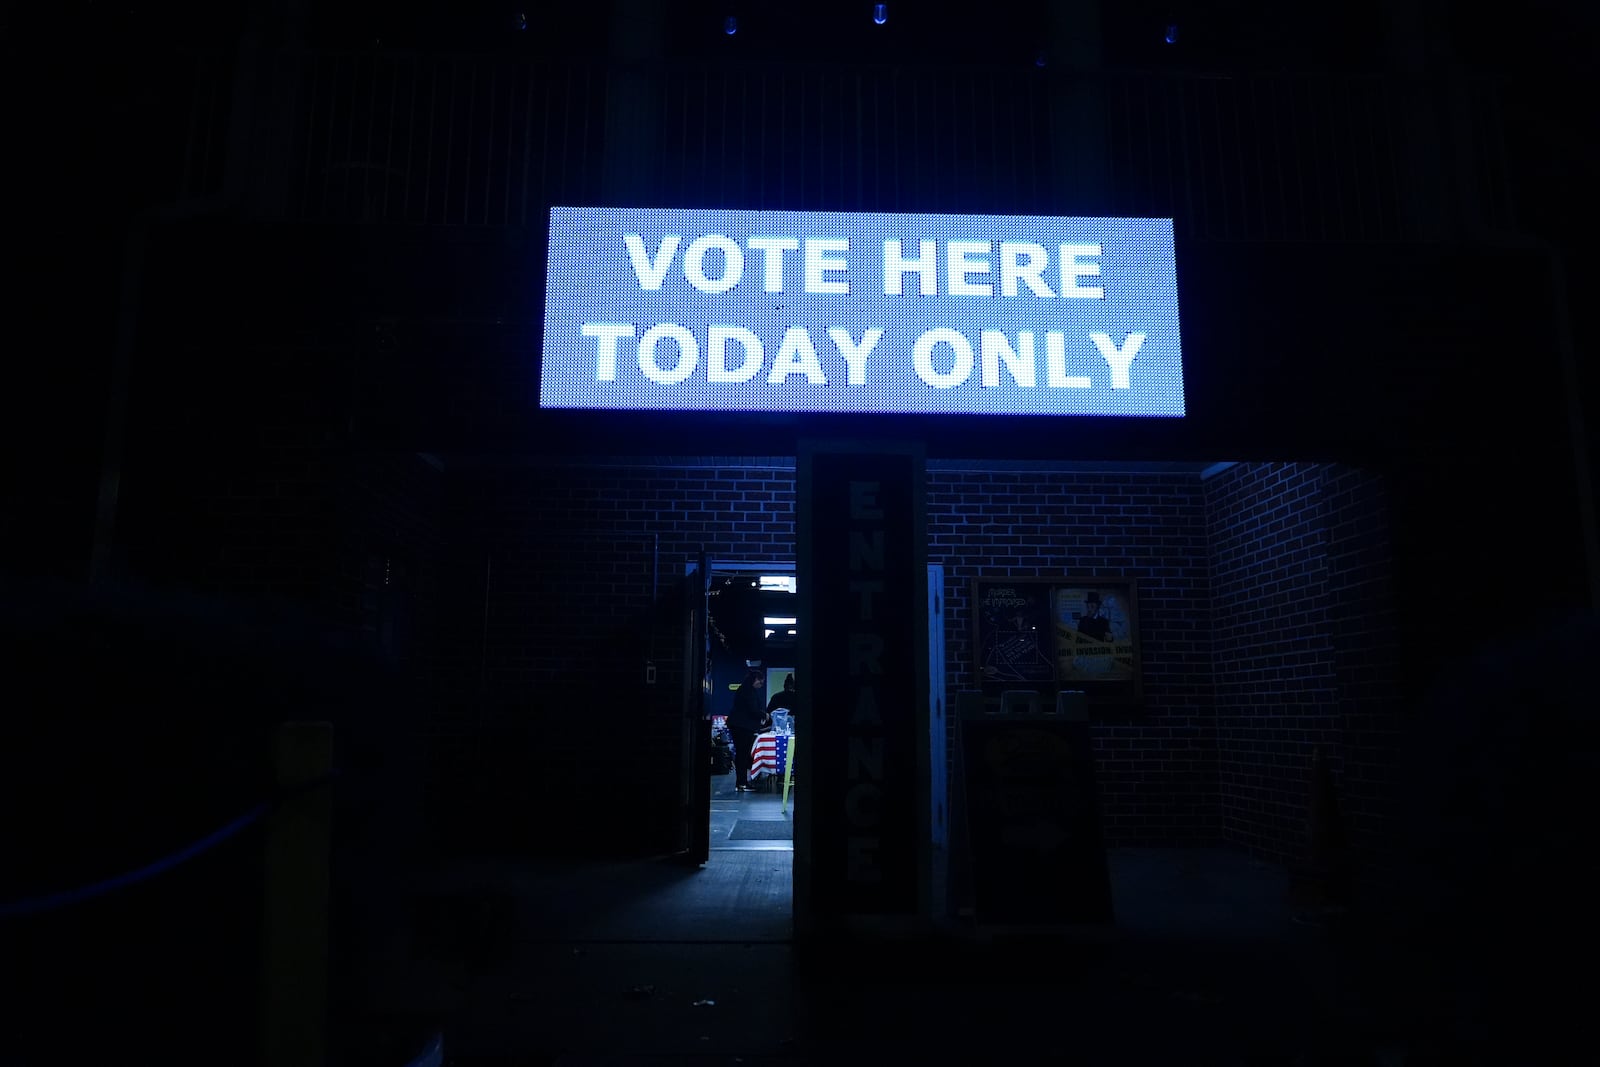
1262,595
564,582
1366,645
1158,774
1275,677
1304,646
524,599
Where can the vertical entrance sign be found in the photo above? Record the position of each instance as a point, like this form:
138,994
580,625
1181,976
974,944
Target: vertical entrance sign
862,576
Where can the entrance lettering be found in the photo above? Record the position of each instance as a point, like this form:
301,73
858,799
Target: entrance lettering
864,542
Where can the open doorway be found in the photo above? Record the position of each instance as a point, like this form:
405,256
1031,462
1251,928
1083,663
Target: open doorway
753,633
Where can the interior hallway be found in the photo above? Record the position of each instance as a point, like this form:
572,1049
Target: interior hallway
757,821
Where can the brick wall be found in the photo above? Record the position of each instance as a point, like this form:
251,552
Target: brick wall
1274,661
1363,625
1263,599
523,600
1157,766
578,568
1305,650
563,581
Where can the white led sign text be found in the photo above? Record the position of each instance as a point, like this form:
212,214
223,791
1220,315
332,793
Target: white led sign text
651,309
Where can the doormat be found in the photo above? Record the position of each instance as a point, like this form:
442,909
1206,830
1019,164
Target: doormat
762,830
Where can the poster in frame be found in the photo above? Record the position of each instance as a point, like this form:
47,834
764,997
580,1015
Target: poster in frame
1015,639
1062,633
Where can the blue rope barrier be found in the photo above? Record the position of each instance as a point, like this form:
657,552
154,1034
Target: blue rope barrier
64,898
432,1055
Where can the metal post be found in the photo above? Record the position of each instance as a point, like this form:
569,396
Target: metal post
294,987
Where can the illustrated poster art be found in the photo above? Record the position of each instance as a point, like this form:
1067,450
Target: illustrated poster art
1094,635
1015,633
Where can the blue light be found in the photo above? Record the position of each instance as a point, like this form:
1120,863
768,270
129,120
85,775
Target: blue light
522,20
1172,33
730,25
880,13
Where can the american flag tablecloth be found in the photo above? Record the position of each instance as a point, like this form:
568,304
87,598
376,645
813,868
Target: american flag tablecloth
769,755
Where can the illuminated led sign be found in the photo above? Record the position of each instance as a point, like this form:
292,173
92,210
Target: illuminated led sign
762,311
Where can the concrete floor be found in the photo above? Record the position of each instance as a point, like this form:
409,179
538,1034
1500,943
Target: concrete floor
554,962
764,804
601,962
653,961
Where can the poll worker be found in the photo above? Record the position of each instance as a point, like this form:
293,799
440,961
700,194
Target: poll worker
747,718
786,699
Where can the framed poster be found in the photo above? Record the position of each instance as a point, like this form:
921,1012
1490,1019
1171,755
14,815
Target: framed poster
1059,633
1016,634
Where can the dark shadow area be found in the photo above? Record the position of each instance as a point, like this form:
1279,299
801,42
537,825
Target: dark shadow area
142,722
623,962
305,244
662,900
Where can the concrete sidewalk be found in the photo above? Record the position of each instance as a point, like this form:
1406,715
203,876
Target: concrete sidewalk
617,963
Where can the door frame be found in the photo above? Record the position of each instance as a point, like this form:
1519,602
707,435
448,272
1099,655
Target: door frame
695,786
696,790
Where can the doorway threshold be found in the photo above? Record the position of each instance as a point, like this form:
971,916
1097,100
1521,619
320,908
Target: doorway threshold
753,846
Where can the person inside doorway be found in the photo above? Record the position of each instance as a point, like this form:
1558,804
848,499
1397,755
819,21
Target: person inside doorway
747,718
786,699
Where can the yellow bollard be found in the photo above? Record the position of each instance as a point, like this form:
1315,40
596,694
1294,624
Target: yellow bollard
788,774
294,987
